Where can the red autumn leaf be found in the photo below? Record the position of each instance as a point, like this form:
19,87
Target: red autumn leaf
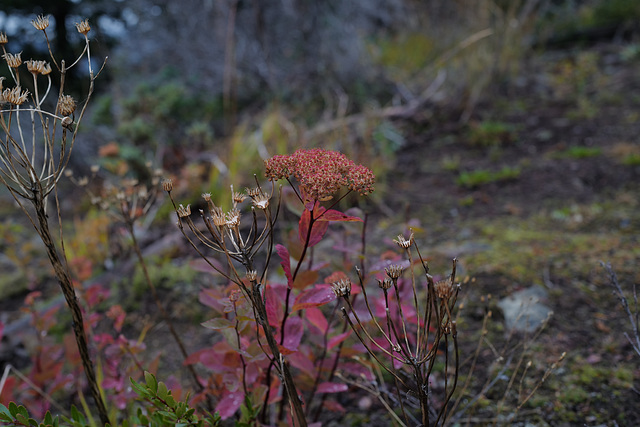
334,341
274,303
317,228
229,404
331,387
305,278
285,263
334,215
315,317
314,297
212,297
292,335
333,406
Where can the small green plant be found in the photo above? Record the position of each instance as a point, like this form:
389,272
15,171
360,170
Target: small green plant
580,152
632,159
491,134
164,409
477,178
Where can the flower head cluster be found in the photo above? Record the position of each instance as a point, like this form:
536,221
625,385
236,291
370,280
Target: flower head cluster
321,173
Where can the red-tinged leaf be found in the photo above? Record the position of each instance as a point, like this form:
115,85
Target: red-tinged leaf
218,323
117,314
333,406
318,229
292,334
205,266
211,297
334,341
285,263
303,361
229,404
334,215
331,387
274,303
305,278
314,297
316,318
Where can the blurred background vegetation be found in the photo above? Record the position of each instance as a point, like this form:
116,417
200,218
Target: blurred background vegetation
220,85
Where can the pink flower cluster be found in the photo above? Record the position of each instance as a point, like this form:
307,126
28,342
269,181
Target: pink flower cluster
321,173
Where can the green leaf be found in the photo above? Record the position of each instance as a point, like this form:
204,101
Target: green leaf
5,414
77,415
22,419
48,419
162,391
13,409
139,388
218,323
171,401
152,383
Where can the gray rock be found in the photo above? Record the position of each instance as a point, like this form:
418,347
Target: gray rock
524,310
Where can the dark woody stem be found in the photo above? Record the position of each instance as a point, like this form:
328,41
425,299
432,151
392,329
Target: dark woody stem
64,280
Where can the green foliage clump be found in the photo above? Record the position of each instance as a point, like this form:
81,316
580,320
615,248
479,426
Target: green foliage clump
165,410
476,178
580,152
491,134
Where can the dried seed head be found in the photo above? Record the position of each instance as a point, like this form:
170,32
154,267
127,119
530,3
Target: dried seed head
253,192
41,22
237,198
206,197
444,288
95,168
384,284
404,243
37,67
167,185
66,105
218,218
394,271
68,173
83,181
184,212
3,39
46,69
342,288
83,27
233,218
261,201
14,96
13,61
66,121
252,275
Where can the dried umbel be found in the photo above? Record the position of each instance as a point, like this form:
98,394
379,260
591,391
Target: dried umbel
13,60
14,96
321,173
66,105
38,67
414,329
342,288
41,22
35,149
83,27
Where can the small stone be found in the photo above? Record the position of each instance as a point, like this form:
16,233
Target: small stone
524,311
